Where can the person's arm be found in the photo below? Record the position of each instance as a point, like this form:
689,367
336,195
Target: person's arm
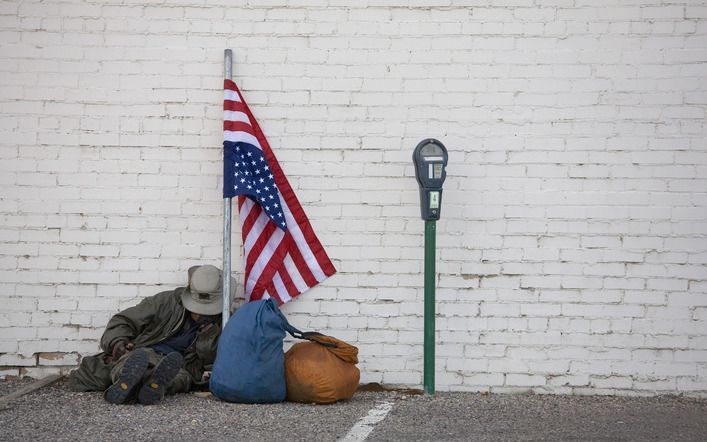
200,356
206,344
125,326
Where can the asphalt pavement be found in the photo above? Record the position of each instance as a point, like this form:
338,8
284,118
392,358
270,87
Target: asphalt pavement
53,413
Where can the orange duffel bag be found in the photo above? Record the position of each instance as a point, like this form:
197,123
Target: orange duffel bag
321,371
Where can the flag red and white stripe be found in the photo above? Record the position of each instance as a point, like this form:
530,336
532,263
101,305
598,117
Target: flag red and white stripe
281,261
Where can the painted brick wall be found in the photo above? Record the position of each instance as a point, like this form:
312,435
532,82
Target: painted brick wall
572,250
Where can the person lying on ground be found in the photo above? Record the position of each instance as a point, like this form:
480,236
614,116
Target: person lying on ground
164,345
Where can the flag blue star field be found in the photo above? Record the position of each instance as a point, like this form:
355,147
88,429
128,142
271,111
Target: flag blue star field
282,255
252,177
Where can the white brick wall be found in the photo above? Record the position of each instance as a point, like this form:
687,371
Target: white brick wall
572,249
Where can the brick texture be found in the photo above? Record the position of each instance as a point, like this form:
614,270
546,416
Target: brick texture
572,249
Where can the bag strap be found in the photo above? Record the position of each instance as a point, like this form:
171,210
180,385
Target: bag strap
296,333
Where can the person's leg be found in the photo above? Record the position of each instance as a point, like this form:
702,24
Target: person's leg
162,376
153,358
181,383
126,375
92,375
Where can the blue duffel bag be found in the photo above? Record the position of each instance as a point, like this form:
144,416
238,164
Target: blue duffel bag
250,361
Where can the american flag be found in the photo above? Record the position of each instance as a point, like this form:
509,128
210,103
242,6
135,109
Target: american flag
282,255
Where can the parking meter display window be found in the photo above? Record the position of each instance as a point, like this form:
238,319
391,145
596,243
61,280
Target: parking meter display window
430,149
434,200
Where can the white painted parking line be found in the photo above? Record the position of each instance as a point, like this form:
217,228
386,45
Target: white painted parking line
365,425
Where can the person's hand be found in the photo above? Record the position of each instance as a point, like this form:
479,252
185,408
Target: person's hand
121,347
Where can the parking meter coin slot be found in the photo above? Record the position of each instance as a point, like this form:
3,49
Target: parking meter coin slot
437,175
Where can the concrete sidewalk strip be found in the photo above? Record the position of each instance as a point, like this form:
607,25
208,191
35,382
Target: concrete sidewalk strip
6,399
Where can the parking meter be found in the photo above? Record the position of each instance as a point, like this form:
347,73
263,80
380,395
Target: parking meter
430,159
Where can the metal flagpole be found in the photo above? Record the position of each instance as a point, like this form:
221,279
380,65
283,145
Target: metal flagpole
226,283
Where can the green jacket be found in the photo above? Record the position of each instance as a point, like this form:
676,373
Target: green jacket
151,321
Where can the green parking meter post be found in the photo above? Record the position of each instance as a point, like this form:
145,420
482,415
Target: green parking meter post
430,159
429,344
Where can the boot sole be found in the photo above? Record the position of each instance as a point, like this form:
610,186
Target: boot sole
153,389
130,377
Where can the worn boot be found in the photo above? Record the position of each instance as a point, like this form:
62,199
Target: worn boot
153,389
130,377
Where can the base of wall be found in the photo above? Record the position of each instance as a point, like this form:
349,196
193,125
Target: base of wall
40,372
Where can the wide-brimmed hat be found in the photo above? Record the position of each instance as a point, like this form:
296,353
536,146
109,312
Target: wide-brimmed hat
203,295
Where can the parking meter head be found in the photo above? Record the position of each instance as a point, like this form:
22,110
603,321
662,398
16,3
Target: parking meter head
430,160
